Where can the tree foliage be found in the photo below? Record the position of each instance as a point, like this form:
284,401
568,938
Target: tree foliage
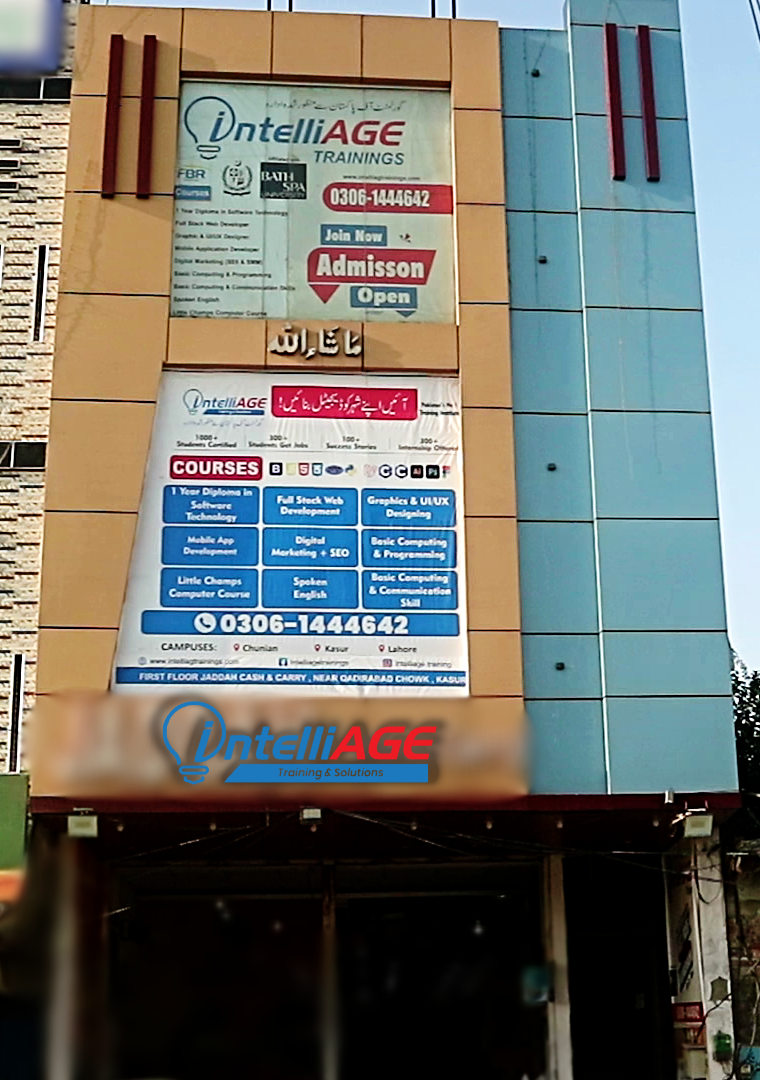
746,691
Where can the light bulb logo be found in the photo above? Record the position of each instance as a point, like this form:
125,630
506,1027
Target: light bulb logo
196,773
193,399
209,120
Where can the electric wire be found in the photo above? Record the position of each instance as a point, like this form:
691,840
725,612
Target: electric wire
444,839
755,18
527,845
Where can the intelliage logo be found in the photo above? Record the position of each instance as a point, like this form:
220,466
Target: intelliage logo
210,120
198,405
394,753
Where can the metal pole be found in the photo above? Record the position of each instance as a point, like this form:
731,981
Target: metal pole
59,1049
555,936
16,706
330,1041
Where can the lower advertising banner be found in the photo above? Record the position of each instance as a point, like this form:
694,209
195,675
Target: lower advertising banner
301,534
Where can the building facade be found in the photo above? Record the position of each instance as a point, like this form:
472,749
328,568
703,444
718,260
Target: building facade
621,579
281,231
34,125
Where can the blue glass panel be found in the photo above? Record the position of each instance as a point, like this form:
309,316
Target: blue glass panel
555,282
557,582
590,73
548,370
562,493
645,360
650,465
640,260
568,748
671,744
548,93
660,575
540,164
674,191
578,677
667,663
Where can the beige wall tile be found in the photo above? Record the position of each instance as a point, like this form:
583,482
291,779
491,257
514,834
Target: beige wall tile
475,64
97,456
74,660
325,45
109,348
478,156
390,346
492,577
489,464
217,343
506,720
85,158
120,245
85,563
341,362
484,356
482,247
97,24
227,41
415,49
495,663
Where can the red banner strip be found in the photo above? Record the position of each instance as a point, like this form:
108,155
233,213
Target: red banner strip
345,402
205,467
389,198
113,106
147,104
327,268
614,101
648,104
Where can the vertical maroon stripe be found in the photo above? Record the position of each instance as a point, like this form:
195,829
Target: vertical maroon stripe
113,105
648,104
147,100
614,101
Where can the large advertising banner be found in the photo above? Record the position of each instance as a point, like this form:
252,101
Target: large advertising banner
315,202
300,533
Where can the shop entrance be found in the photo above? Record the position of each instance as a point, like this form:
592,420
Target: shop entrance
336,971
434,986
617,950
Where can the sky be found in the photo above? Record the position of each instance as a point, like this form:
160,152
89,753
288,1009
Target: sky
722,60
